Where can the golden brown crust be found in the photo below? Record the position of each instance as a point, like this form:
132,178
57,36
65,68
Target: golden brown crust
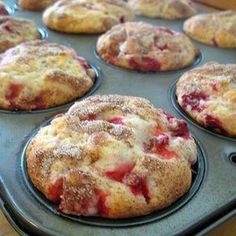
208,95
35,5
86,16
39,74
14,31
168,9
145,47
217,29
112,156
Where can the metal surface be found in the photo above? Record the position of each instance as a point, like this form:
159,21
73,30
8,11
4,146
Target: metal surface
215,197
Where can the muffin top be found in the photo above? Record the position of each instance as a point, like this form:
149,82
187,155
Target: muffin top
208,95
86,16
38,74
112,156
145,47
217,29
165,9
14,31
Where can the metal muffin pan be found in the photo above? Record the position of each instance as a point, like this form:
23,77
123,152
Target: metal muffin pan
215,200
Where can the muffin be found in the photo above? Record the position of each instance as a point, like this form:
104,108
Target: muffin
14,31
86,16
112,156
145,47
38,74
217,29
208,95
165,9
34,5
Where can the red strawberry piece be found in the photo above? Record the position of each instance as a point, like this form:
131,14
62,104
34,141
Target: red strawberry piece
214,124
163,47
116,120
159,144
91,117
193,100
168,115
120,171
181,130
83,63
14,91
214,43
3,10
214,87
55,190
122,19
38,102
140,187
111,58
102,208
145,64
164,152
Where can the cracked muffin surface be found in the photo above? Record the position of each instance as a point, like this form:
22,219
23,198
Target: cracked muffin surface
165,9
216,29
208,95
145,47
86,16
14,30
38,74
35,5
112,156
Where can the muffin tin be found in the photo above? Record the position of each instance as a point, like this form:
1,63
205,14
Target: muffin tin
211,199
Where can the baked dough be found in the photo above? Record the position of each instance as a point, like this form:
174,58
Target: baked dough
112,156
208,95
35,5
217,29
166,9
145,47
14,31
86,16
3,9
38,74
